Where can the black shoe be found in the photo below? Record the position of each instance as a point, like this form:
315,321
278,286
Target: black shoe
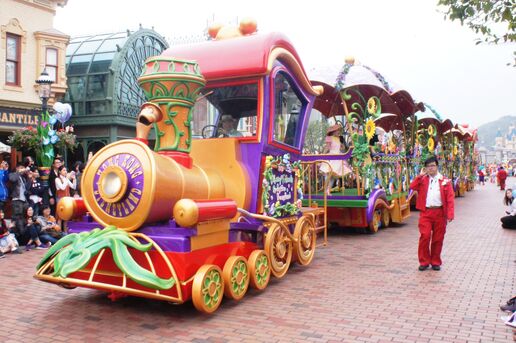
436,267
421,268
510,306
2,255
17,251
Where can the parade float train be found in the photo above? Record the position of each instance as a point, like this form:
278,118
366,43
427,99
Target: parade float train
213,210
386,137
197,218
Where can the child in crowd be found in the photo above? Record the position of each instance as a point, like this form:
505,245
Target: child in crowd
8,242
481,177
509,221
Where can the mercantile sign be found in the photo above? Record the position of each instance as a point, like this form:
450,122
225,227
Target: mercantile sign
17,117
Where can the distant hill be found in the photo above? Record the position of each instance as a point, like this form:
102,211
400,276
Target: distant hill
487,132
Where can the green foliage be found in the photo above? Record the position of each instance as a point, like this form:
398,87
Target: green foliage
75,251
482,16
42,139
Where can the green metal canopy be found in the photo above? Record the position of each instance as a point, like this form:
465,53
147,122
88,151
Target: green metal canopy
102,71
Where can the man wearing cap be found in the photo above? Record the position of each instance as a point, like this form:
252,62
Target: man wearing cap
435,201
228,126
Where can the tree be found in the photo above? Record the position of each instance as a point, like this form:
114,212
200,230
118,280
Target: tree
487,17
315,135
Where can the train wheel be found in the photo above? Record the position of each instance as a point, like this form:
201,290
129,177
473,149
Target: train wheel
374,224
236,277
208,288
259,269
278,247
385,219
304,233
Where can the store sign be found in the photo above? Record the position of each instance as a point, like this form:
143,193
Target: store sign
16,117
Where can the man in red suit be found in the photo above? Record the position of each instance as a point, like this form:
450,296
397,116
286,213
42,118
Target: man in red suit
502,176
435,197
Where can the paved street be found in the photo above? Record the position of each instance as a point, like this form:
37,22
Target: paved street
359,288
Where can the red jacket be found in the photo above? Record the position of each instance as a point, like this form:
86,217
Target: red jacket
420,185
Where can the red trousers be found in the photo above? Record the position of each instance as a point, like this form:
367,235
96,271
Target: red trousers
432,227
502,184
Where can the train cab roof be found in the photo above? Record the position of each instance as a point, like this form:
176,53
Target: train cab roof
243,57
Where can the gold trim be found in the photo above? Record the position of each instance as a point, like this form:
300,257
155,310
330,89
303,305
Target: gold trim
41,274
95,266
297,68
108,287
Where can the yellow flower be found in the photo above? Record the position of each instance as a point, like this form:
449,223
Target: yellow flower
370,128
372,107
455,150
431,130
268,161
431,144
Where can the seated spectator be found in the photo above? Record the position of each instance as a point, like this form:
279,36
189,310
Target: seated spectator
48,223
37,237
8,242
509,221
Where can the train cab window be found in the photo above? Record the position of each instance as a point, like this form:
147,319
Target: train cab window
287,110
226,111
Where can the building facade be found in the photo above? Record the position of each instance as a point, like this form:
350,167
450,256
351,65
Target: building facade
102,72
28,44
505,145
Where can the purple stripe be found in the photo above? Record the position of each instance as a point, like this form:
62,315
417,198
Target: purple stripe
375,194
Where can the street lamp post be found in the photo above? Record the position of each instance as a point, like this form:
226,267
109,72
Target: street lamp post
44,90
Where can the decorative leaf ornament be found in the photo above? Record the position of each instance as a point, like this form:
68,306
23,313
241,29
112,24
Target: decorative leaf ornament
75,251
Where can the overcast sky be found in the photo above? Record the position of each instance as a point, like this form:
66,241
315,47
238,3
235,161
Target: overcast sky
407,41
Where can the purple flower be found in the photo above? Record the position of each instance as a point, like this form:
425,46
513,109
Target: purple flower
44,123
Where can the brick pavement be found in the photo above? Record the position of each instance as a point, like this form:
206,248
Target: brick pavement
362,288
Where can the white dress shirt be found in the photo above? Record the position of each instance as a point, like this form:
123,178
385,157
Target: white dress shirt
433,197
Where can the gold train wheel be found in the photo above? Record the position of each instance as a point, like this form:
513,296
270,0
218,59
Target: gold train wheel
374,224
278,247
208,288
305,236
236,277
259,269
385,219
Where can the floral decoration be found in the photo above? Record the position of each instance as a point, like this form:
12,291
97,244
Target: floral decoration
42,139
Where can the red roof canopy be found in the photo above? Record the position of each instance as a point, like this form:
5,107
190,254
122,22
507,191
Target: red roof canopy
236,57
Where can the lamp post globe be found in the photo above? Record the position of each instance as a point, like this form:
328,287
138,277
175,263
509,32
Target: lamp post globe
44,90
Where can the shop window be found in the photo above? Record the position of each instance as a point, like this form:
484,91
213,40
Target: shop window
78,65
287,110
101,62
51,63
12,62
97,86
76,88
96,107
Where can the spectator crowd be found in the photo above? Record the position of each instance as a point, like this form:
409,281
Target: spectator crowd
33,222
